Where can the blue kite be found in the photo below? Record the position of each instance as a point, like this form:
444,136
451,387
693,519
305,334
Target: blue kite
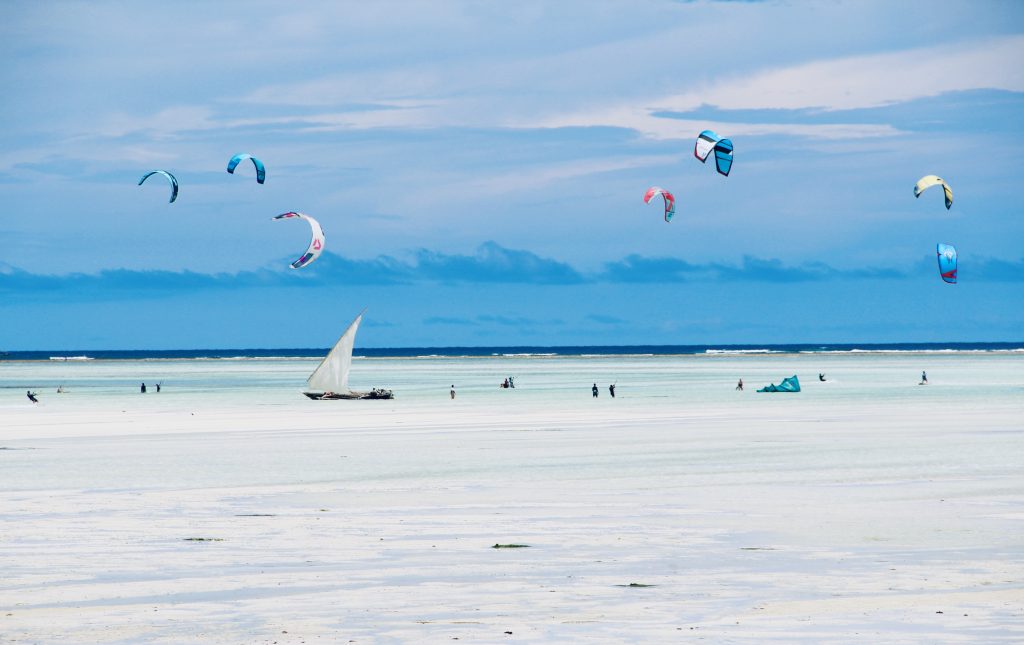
261,172
947,262
170,178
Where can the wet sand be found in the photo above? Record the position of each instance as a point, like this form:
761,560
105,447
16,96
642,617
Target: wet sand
779,520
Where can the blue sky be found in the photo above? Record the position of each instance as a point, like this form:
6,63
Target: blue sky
479,168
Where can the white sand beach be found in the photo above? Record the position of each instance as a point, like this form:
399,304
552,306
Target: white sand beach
230,509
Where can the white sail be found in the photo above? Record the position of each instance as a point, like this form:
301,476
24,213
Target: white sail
332,373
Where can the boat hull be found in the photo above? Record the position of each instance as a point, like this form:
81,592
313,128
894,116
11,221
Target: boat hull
350,396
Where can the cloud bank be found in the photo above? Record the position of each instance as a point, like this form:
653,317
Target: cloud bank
491,264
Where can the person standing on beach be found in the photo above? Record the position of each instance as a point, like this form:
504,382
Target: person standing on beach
611,390
924,378
739,386
142,390
594,390
453,391
158,388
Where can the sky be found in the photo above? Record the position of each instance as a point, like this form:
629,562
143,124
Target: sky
479,167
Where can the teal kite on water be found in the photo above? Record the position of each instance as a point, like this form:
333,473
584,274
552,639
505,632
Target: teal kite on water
791,384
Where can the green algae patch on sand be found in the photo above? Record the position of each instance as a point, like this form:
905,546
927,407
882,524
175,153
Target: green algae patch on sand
511,546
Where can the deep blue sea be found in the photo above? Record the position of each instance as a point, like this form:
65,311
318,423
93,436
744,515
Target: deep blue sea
525,350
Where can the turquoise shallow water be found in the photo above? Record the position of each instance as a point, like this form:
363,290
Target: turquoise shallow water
542,382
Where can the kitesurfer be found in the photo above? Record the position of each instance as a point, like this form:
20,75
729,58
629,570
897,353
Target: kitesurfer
142,390
511,383
611,390
31,396
594,390
158,388
739,385
821,376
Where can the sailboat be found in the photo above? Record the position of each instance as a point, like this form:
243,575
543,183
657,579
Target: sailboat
329,381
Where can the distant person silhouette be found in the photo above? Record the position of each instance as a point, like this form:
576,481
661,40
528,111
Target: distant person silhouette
31,396
453,391
739,386
924,378
611,390
142,390
594,390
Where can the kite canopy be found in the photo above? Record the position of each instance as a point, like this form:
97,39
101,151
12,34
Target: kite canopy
947,262
791,384
670,201
261,172
926,182
708,141
316,245
170,178
723,156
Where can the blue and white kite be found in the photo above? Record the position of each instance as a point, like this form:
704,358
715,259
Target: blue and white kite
947,262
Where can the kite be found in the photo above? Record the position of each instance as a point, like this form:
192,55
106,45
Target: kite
261,172
708,141
947,262
316,245
670,201
170,178
926,182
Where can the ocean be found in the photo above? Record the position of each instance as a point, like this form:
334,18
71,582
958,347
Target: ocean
519,350
550,377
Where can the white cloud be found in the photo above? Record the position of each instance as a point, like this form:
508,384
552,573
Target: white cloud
643,121
848,83
855,82
868,81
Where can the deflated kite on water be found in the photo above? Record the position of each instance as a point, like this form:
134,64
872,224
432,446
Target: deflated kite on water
316,245
926,182
708,141
261,172
670,201
947,262
170,178
791,384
